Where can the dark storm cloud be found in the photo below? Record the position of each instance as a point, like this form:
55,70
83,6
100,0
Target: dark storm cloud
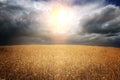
15,25
100,28
82,2
21,23
106,21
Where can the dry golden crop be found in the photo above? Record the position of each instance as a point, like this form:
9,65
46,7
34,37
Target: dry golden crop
59,62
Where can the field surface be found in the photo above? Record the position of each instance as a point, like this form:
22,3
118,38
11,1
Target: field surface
59,62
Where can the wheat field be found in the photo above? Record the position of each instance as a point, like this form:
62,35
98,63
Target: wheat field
59,62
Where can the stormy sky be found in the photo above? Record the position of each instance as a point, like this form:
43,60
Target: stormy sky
97,22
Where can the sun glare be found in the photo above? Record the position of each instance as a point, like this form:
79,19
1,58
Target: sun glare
60,19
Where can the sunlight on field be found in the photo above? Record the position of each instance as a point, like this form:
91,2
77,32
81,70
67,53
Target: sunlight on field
59,62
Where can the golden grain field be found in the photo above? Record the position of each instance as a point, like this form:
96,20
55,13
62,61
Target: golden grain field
59,62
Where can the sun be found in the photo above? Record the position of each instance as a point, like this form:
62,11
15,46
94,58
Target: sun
60,19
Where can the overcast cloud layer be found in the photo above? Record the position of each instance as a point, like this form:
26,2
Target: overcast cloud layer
21,22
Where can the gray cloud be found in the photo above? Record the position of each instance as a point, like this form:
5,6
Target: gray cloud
22,23
106,21
100,28
17,25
